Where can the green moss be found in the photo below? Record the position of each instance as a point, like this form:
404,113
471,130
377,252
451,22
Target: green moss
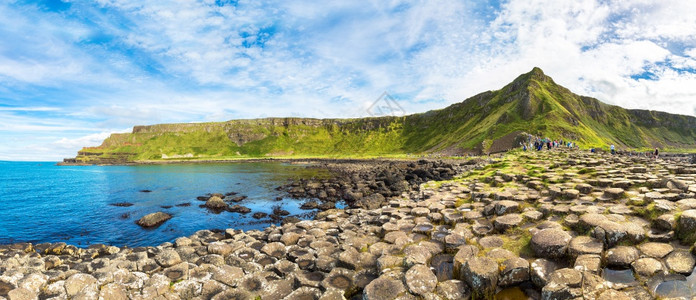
518,241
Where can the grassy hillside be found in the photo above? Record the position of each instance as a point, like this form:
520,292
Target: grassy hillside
490,121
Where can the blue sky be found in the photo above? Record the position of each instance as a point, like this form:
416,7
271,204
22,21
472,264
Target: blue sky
72,72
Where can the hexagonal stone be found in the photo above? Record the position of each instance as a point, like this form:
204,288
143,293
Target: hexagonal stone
666,222
571,194
420,280
614,193
687,221
680,262
420,212
621,256
588,262
515,271
383,288
507,222
540,270
656,250
563,284
584,188
481,274
453,290
591,220
550,243
585,245
506,206
647,267
168,258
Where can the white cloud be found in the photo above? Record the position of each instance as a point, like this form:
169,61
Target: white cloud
119,63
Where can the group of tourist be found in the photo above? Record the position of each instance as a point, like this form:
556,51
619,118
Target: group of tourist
538,144
654,154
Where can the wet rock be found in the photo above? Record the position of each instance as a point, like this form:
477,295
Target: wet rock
259,215
153,219
481,274
239,209
420,280
216,203
550,243
680,262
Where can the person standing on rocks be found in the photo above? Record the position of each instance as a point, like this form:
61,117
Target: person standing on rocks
613,150
657,152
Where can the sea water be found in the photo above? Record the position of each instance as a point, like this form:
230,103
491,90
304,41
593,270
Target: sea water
42,202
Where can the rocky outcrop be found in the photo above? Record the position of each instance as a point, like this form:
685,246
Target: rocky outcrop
153,219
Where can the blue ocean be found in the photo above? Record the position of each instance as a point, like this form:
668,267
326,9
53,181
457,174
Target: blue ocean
42,202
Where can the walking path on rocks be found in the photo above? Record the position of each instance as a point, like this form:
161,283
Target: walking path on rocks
545,225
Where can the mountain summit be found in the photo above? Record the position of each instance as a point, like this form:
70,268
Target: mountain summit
491,121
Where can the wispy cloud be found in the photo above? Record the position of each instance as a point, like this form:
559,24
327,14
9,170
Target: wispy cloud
71,70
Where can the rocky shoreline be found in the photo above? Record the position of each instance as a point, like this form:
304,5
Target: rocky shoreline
540,225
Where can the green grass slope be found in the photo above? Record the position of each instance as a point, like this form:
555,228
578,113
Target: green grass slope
533,103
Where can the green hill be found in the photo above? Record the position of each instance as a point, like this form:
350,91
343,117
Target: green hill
488,122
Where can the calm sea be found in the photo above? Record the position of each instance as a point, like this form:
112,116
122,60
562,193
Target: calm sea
42,202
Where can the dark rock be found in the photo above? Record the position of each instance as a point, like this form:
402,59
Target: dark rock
153,219
481,274
550,243
621,256
383,288
420,280
239,209
122,204
216,203
259,215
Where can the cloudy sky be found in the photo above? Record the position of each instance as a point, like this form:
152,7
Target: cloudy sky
71,72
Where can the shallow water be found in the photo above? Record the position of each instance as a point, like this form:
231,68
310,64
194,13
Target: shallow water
511,293
42,202
678,288
624,276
